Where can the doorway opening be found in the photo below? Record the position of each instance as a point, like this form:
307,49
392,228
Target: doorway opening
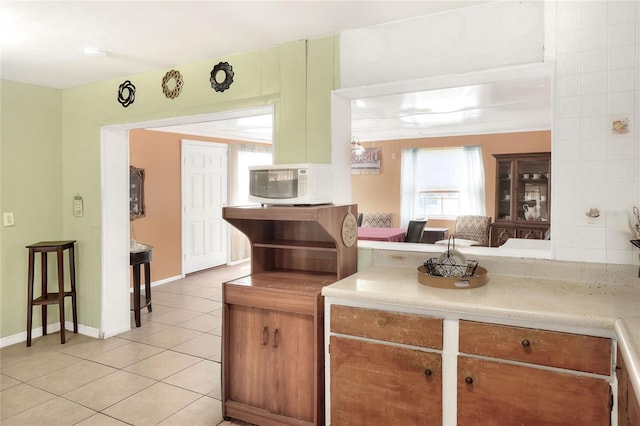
114,158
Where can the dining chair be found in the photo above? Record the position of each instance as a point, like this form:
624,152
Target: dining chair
414,231
475,228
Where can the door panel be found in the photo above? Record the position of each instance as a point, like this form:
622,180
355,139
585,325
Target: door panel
204,189
249,352
493,393
292,365
373,383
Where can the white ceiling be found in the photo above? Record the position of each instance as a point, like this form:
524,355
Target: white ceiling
42,43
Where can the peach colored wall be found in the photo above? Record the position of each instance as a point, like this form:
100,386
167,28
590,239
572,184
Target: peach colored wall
381,193
158,153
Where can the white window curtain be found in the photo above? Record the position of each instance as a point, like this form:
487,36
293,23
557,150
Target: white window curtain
408,185
452,170
472,193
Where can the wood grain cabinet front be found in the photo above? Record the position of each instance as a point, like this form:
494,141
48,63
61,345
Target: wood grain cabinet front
272,351
628,406
514,387
381,373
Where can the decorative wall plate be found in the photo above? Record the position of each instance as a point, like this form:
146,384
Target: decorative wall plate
349,229
126,93
228,76
172,75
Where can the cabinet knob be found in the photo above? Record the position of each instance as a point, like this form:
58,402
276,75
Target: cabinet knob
468,380
526,343
382,321
428,372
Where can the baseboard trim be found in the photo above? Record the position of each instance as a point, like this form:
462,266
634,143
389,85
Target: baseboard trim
51,328
159,282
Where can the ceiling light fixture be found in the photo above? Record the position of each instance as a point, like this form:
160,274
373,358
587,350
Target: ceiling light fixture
356,147
94,52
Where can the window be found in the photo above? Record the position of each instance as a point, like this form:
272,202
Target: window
442,183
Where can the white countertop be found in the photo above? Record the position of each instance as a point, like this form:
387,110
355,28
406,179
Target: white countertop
556,302
599,308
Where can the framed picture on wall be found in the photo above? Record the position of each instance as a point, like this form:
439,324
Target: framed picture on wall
136,193
366,162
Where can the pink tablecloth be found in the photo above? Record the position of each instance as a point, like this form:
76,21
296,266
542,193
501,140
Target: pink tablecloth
382,234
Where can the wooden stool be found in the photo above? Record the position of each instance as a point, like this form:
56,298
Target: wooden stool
141,255
47,298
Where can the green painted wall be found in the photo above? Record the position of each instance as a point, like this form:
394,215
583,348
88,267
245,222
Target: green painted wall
51,139
30,187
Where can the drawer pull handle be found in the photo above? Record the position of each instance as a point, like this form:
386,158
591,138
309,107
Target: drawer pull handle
382,321
526,343
275,338
468,380
428,372
265,335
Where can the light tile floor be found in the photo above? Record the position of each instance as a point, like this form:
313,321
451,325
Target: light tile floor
166,372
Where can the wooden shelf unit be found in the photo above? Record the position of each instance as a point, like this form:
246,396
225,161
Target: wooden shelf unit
273,320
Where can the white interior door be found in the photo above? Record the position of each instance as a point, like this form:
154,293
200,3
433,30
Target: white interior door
204,193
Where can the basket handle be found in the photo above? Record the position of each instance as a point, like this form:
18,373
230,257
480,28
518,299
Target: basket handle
452,241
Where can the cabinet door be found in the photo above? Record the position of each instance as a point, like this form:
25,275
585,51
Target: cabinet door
292,384
633,407
500,235
531,234
493,393
249,352
504,190
373,383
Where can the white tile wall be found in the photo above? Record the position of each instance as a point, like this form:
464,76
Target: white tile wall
595,46
597,55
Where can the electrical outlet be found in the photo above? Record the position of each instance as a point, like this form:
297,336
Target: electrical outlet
7,219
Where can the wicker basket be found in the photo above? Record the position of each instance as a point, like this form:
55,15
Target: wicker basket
478,279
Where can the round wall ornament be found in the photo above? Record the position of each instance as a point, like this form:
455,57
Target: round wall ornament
126,93
349,229
177,84
221,68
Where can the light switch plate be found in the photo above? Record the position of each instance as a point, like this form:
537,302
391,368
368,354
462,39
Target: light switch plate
7,219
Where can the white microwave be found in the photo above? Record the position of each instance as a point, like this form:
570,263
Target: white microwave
291,184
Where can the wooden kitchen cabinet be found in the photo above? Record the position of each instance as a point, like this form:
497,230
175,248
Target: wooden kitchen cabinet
271,361
523,196
273,340
628,406
384,381
498,391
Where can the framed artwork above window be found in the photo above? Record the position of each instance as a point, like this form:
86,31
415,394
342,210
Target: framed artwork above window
136,193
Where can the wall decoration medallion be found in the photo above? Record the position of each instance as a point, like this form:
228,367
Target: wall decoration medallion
177,84
126,93
349,229
220,68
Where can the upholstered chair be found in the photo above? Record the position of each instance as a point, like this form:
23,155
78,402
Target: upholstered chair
474,228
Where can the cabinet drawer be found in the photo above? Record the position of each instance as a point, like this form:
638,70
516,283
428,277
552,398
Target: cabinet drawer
555,349
395,327
271,299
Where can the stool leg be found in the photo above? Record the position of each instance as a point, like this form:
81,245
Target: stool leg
61,292
147,285
44,289
136,293
72,276
30,295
